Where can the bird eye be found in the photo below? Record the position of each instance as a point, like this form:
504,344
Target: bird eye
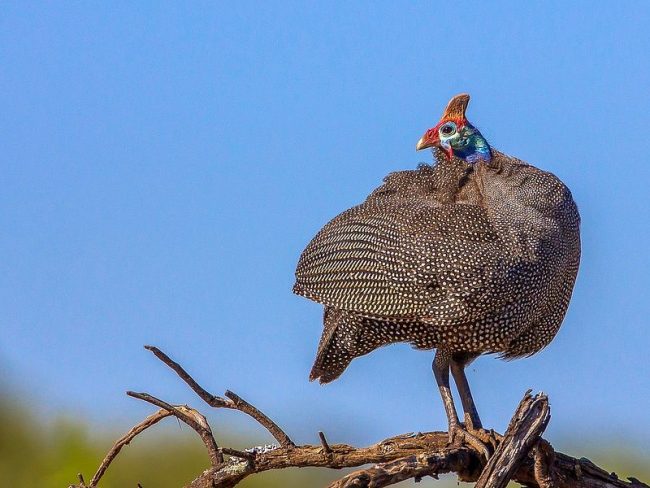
448,129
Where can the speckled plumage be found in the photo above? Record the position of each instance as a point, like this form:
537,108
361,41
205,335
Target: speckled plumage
469,258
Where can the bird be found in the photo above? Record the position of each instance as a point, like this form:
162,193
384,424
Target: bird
474,254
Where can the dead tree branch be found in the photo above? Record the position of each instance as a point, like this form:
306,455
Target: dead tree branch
521,454
124,441
192,418
415,466
232,401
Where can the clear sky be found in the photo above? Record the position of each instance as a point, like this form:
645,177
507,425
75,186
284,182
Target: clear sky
164,164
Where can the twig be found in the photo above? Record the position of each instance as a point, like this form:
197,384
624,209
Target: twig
243,406
235,403
326,447
152,419
240,454
210,399
192,418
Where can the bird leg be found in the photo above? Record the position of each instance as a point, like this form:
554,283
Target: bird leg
458,363
441,373
440,368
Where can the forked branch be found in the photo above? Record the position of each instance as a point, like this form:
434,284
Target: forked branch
232,401
521,454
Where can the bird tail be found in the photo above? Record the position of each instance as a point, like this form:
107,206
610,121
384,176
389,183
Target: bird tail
336,346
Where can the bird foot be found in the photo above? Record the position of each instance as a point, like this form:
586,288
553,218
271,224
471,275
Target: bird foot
479,439
488,437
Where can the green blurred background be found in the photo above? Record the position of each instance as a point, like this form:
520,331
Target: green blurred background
48,453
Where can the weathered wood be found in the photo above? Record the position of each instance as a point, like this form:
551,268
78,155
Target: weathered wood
428,454
416,467
340,456
544,458
568,471
524,431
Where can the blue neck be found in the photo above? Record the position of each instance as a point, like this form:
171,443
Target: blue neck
474,148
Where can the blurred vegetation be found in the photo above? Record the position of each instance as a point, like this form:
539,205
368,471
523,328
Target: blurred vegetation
41,454
48,454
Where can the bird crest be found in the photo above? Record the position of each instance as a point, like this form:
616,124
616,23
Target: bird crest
456,107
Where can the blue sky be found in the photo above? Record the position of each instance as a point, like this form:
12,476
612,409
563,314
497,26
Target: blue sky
164,164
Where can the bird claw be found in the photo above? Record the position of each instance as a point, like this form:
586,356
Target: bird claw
475,439
488,437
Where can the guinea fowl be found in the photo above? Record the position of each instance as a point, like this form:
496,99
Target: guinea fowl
476,254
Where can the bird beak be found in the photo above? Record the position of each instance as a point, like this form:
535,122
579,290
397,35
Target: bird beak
429,139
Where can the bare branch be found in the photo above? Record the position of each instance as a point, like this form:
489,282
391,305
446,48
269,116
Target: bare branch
416,467
234,401
341,456
209,398
192,418
243,406
152,419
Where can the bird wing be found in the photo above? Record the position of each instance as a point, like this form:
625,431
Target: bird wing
405,257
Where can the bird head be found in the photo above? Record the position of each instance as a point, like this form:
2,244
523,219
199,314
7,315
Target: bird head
455,135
